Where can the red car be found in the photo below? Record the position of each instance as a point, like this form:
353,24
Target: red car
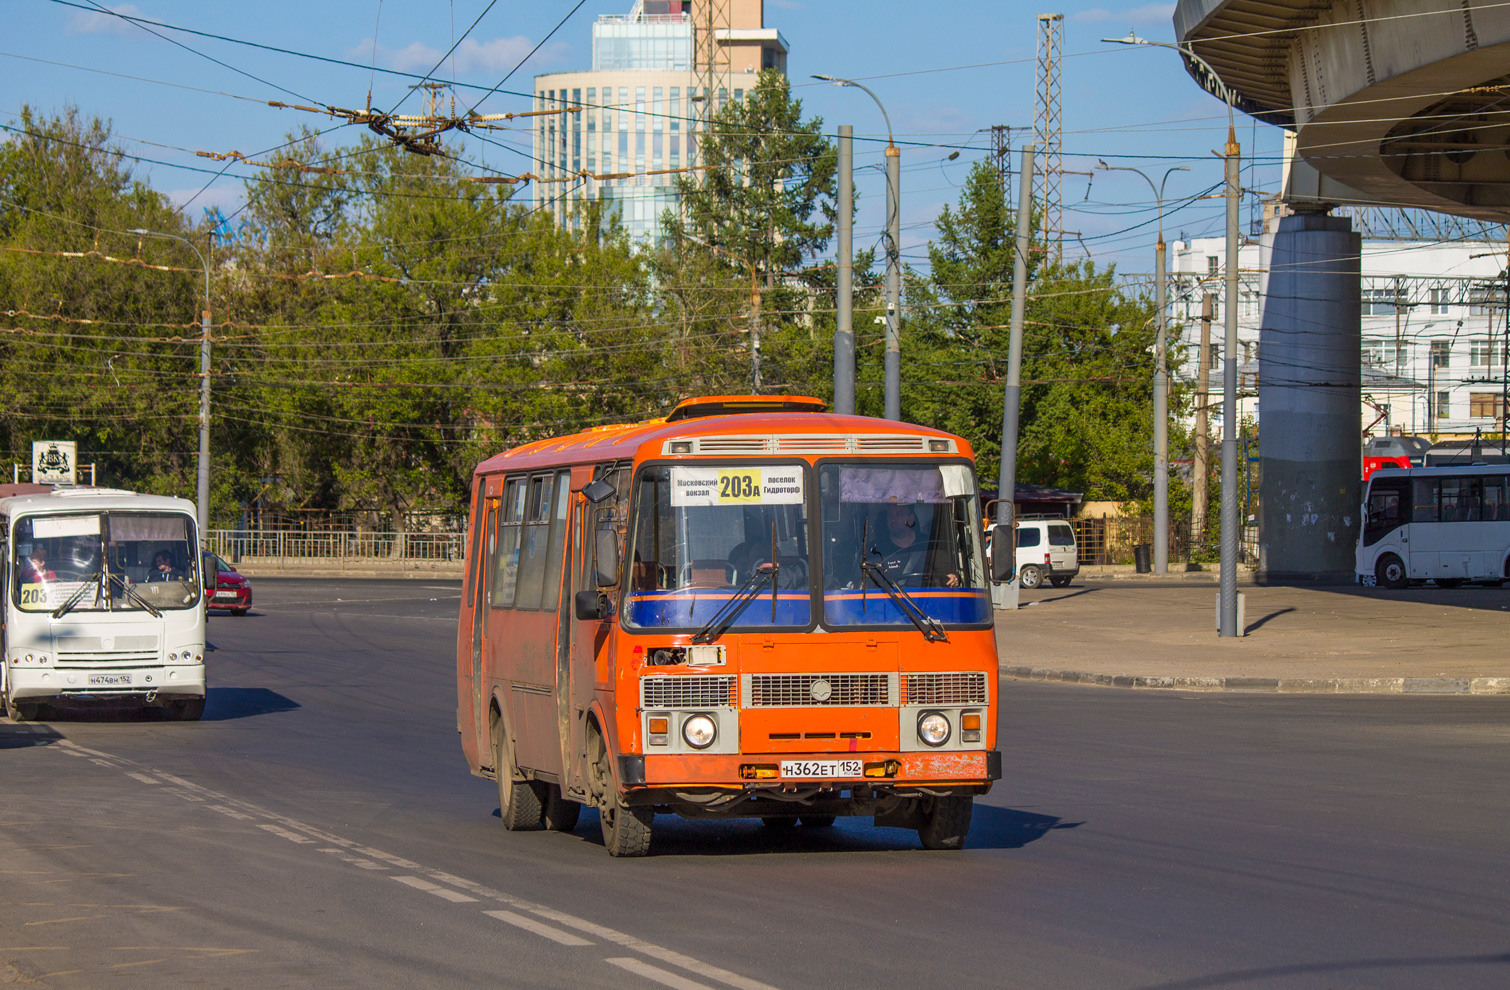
230,590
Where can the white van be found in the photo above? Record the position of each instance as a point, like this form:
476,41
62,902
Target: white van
1046,550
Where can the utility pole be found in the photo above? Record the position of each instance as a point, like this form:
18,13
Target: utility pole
844,331
1229,401
893,281
1202,474
1001,153
755,382
1012,392
1048,125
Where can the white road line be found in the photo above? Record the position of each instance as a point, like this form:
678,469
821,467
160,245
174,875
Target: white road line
285,833
538,927
357,861
229,812
143,778
300,832
641,968
444,893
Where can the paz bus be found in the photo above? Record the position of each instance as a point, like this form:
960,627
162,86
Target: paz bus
1446,524
102,600
748,609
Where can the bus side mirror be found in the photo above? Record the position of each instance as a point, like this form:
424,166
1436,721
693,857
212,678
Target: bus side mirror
208,572
1003,552
588,605
606,558
598,491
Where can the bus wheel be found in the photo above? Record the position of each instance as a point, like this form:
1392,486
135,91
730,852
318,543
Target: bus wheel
518,801
946,824
22,711
186,709
559,814
817,821
626,830
1390,573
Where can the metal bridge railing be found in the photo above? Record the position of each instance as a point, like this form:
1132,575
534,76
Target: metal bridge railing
239,545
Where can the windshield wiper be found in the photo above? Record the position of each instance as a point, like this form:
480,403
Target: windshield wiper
92,580
931,628
732,609
135,596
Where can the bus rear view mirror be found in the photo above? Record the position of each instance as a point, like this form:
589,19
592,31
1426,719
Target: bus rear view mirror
588,605
598,491
606,558
1003,552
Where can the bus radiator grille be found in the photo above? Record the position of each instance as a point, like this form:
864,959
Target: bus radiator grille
687,692
961,688
819,690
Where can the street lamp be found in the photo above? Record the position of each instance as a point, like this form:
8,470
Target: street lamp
893,365
1160,380
203,490
1227,614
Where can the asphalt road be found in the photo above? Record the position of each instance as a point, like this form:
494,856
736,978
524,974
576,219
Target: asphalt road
319,828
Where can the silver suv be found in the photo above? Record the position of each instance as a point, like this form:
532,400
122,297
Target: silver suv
1046,550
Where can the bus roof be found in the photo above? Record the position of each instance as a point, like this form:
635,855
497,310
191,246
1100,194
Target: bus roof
1442,469
745,434
66,499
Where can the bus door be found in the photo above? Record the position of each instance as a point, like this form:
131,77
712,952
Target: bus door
587,646
1423,540
483,537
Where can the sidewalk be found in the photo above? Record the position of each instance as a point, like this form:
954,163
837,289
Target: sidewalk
1336,640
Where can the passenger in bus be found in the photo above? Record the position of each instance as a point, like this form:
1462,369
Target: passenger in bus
36,566
906,553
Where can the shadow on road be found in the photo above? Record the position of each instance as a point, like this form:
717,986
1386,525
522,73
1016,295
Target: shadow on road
14,736
1053,597
1260,622
1279,974
990,828
1476,597
225,704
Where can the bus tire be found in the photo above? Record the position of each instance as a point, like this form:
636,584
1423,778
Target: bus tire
1390,573
946,824
1029,576
186,709
626,830
559,813
818,821
518,801
22,711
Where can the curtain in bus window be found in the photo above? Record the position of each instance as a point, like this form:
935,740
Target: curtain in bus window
550,595
511,516
535,539
1423,499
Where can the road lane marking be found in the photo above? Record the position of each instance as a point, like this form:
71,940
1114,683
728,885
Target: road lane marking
303,833
142,777
285,833
229,812
444,893
538,927
641,968
357,861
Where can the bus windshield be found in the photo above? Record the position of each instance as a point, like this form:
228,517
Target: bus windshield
111,561
704,535
910,525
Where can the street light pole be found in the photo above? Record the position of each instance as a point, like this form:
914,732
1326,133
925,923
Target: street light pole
893,359
844,330
202,502
1227,612
1160,379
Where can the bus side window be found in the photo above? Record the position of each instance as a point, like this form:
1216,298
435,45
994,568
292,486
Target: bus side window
1424,500
1495,509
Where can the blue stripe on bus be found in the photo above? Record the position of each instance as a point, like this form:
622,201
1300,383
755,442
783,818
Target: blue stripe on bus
877,609
679,608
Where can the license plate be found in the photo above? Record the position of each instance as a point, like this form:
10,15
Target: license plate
109,680
225,594
821,768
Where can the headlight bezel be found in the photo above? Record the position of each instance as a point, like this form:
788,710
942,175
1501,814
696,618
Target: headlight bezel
699,718
923,735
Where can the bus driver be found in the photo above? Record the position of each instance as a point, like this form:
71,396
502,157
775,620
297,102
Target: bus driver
904,551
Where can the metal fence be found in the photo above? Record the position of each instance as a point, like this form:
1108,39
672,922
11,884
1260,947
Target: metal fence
238,545
1110,540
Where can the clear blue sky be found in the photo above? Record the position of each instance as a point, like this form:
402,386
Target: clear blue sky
944,71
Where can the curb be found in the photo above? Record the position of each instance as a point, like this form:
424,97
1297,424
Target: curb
1272,685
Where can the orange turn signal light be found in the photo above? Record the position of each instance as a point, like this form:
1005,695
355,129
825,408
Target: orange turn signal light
660,725
970,722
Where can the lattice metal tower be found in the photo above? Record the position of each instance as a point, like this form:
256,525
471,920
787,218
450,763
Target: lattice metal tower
1001,153
712,63
1048,182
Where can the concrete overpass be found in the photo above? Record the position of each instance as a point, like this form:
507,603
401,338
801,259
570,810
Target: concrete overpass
1391,103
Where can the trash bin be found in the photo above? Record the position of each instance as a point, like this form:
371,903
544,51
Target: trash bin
1143,557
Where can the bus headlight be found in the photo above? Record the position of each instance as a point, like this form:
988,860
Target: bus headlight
933,728
699,731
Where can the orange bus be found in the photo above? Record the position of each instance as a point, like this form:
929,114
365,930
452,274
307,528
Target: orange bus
748,609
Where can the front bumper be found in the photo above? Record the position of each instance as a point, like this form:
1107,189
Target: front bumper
929,770
241,598
180,680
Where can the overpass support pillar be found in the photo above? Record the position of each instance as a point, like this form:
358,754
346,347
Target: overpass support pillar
1308,400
